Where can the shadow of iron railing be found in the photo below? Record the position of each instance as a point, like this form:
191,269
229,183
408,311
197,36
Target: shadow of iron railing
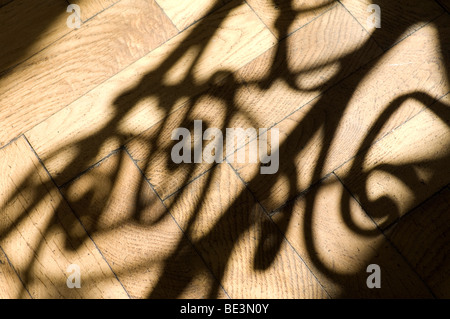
224,80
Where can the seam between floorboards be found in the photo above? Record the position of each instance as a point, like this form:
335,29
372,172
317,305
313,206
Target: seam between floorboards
124,68
164,12
283,235
411,211
385,237
89,168
185,236
362,26
97,13
424,108
275,124
259,18
399,40
17,274
209,13
76,216
244,84
101,83
376,141
10,68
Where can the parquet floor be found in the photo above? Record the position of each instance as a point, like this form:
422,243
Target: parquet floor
87,118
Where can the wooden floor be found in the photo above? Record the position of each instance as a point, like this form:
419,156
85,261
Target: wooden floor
86,175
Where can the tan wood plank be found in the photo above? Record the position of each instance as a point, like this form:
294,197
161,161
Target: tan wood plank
232,105
351,116
238,241
41,235
312,59
284,17
10,285
184,13
152,149
90,8
421,237
28,27
144,93
399,19
135,233
338,241
404,168
77,63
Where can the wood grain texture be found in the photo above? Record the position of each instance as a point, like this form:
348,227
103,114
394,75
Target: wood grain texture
90,8
152,150
184,13
310,60
285,17
399,19
145,92
354,114
28,27
338,241
404,168
79,62
231,104
10,285
226,105
41,235
134,232
238,241
422,237
128,78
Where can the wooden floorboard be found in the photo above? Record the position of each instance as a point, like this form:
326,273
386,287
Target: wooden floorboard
145,92
338,241
422,237
185,13
238,241
285,17
152,150
404,168
89,8
350,117
311,60
28,27
10,285
138,238
230,104
361,174
398,19
41,236
103,46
